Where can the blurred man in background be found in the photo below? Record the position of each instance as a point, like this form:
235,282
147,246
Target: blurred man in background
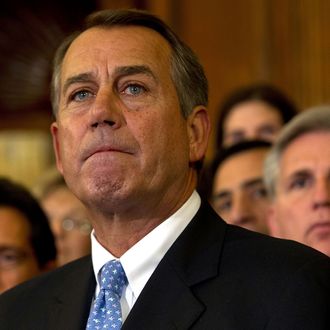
238,192
67,217
27,245
297,174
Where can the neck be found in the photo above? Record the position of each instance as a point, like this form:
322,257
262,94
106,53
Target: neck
118,231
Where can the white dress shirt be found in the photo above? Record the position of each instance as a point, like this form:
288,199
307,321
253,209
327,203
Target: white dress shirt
140,261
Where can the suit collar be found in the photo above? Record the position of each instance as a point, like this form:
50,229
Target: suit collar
168,300
195,255
72,298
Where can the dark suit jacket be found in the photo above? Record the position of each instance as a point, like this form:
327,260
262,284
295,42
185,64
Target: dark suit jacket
215,276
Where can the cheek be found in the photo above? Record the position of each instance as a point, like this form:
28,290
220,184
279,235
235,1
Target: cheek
69,144
70,136
80,242
20,274
291,219
283,209
263,208
160,134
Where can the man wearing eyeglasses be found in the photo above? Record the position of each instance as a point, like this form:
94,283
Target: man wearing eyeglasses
67,217
27,245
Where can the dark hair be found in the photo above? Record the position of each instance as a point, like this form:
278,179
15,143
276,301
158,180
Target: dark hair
263,92
207,177
42,240
187,73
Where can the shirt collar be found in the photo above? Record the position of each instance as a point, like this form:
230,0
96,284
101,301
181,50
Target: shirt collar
140,261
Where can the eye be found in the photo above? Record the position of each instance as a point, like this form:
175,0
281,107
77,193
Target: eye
259,193
81,95
222,205
299,183
11,258
267,131
134,90
234,137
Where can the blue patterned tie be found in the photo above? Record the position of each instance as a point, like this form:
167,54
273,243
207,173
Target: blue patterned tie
106,310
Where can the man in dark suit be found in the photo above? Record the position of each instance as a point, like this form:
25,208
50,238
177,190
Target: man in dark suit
131,131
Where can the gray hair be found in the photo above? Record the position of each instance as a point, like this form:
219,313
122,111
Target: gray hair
316,119
187,73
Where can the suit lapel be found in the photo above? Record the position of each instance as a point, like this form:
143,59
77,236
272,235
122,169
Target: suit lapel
168,300
72,298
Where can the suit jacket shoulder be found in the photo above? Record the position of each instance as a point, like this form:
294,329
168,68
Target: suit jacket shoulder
214,276
218,276
56,300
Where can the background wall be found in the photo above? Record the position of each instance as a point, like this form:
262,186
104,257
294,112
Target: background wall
283,42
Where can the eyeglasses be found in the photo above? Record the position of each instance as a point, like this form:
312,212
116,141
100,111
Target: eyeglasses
83,226
11,257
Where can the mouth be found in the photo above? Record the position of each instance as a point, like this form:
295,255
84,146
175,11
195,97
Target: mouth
321,229
106,150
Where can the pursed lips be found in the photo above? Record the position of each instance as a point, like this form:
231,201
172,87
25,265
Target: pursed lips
320,225
106,149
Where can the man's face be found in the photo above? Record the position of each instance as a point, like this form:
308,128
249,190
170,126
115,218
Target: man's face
69,223
18,262
120,135
239,194
301,209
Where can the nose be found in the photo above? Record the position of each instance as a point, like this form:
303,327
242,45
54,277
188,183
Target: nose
56,227
106,111
322,193
240,213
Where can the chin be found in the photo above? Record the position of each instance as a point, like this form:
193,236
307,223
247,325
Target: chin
103,189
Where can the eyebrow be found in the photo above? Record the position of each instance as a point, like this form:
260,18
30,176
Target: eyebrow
133,69
246,184
252,183
79,78
301,172
5,248
119,72
221,194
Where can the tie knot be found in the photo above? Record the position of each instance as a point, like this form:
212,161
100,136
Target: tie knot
113,277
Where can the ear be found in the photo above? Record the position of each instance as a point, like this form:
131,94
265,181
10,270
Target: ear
272,223
198,125
55,134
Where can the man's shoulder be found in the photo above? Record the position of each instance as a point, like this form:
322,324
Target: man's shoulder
246,242
239,248
262,255
48,282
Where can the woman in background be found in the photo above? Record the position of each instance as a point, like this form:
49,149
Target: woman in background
253,112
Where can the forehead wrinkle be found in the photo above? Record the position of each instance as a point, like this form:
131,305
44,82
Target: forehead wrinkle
134,69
